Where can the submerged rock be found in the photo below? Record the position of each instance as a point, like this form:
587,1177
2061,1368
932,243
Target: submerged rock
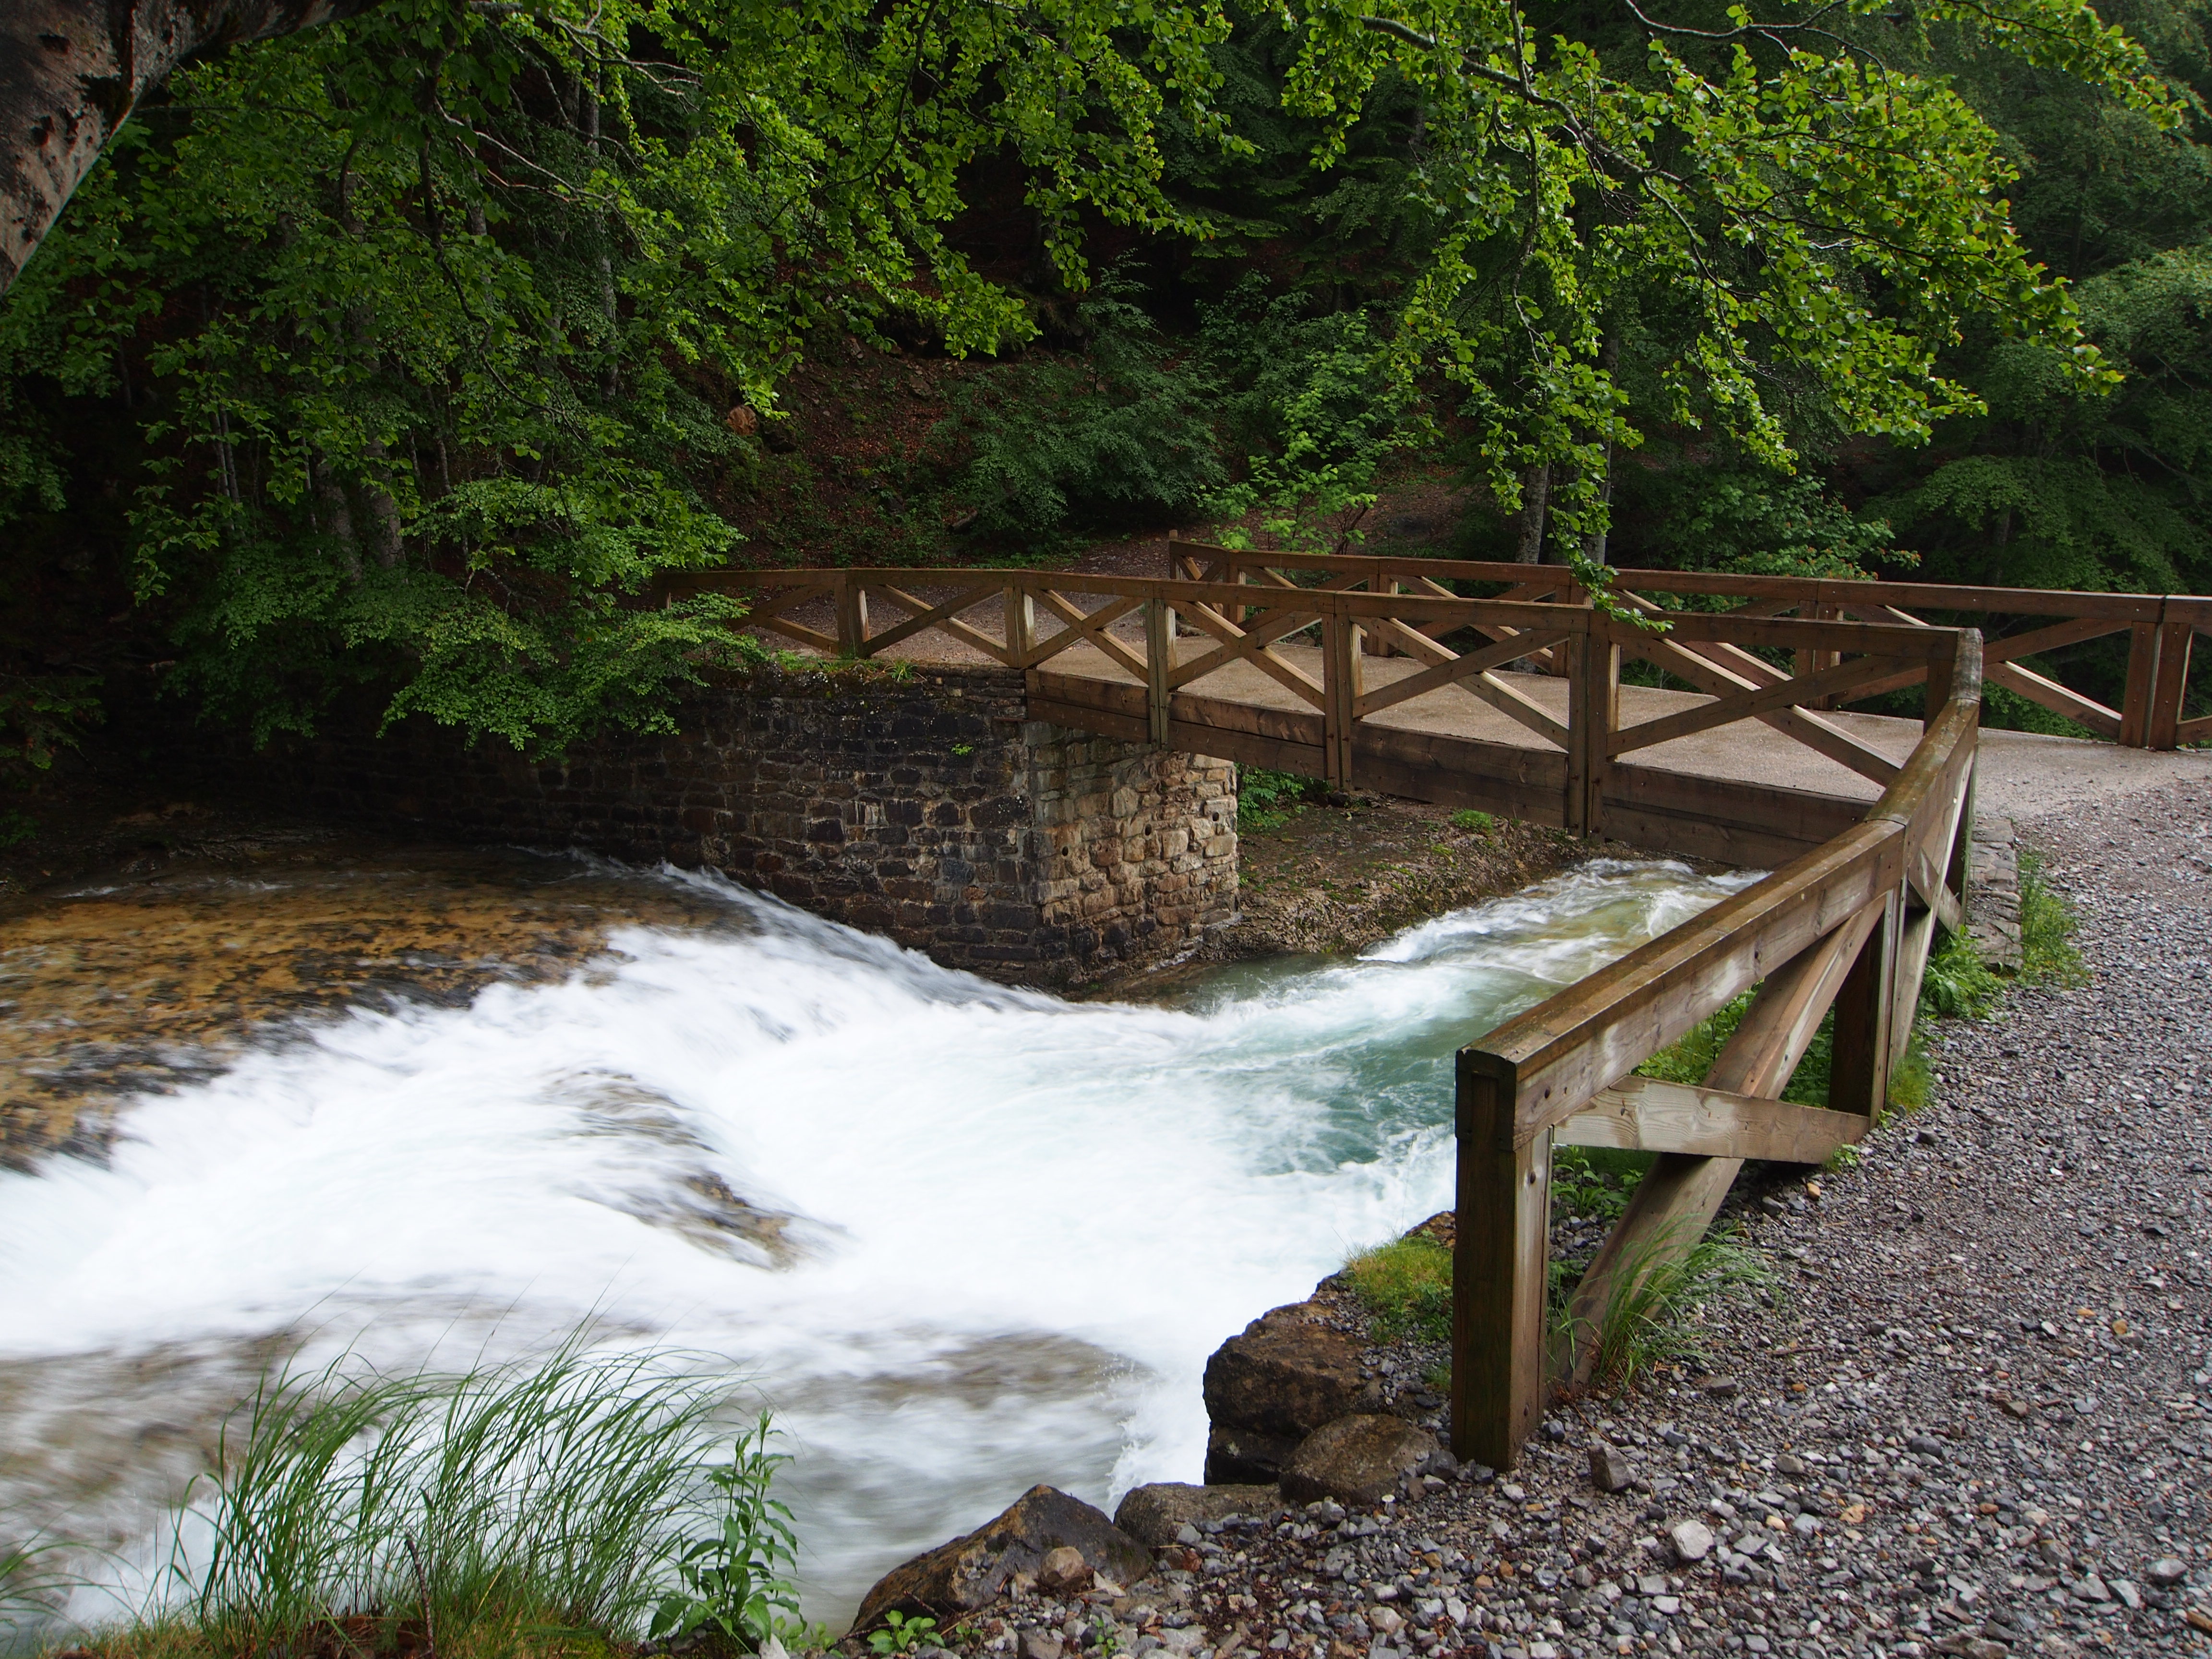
967,1573
1155,1513
1357,1460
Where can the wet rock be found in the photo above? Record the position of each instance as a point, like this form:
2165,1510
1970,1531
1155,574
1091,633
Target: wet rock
965,1574
1283,1376
1156,1514
1242,1457
1359,1459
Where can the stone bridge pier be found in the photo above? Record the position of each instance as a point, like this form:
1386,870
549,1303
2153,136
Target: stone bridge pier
921,804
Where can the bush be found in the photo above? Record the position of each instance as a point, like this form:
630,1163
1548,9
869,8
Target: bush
1269,800
1046,448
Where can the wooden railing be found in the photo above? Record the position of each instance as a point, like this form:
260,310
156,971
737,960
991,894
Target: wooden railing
1845,924
1129,657
1848,927
2160,627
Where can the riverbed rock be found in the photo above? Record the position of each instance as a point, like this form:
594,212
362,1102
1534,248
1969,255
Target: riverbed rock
1273,1384
968,1572
1243,1457
1153,1514
1359,1460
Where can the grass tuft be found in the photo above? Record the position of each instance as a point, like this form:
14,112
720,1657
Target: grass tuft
552,1505
2048,953
1651,1316
1406,1284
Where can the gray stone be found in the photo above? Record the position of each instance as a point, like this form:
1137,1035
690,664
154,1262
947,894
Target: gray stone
1692,1540
1610,1468
1040,1644
969,1572
2167,1571
1156,1514
2131,1597
1359,1459
1921,1445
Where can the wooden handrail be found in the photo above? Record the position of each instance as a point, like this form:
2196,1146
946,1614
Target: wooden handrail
2160,627
1848,926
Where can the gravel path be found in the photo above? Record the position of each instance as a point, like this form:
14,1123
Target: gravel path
1977,1420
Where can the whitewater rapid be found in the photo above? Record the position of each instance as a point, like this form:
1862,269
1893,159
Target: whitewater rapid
963,1238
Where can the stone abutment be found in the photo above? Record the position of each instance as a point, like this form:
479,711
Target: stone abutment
923,805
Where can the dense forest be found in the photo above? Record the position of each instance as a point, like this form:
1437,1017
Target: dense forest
391,357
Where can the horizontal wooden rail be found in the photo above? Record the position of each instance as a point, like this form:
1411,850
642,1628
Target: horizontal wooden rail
1160,660
2160,627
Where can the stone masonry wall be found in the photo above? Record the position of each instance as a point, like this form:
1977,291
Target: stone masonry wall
924,806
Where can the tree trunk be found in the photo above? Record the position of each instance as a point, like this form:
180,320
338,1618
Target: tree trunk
72,70
1536,492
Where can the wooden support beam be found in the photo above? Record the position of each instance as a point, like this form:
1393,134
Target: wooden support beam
2143,675
1679,1195
1500,1254
852,616
2058,699
1160,663
1642,1114
1861,1056
1593,719
2175,638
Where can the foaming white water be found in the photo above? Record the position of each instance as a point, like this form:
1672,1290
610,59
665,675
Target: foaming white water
984,1237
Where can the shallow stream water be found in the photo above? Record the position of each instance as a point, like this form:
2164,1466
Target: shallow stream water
963,1238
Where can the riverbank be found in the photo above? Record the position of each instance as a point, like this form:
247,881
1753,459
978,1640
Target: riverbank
1977,1421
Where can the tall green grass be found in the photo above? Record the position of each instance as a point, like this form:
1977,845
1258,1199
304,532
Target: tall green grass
578,1496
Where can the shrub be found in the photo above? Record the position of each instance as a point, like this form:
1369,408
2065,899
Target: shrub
1046,447
1269,800
1474,823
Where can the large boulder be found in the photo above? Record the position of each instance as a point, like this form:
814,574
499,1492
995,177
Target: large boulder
970,1572
1357,1460
1268,1388
1155,1513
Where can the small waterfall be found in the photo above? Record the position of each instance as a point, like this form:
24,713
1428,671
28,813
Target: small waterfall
963,1238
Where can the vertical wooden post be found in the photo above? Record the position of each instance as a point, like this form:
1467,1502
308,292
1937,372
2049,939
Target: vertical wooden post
1342,675
1809,660
852,616
1499,1257
1859,1078
1020,618
1159,660
1593,716
2143,675
2171,686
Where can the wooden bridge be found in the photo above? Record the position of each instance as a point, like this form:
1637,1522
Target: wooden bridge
1374,672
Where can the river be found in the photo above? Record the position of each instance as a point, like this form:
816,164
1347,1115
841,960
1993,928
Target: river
963,1238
